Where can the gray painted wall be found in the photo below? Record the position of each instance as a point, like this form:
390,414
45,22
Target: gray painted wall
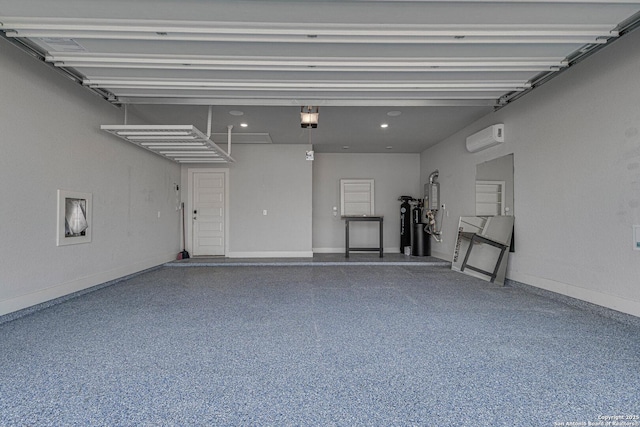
576,151
276,178
394,175
51,140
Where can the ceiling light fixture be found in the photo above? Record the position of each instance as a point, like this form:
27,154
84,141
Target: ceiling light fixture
244,125
309,117
384,125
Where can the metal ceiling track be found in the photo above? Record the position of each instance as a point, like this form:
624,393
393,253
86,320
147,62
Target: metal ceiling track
624,28
23,32
25,46
179,143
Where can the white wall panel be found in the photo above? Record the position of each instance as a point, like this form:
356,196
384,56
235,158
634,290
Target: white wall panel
576,149
51,139
276,178
394,175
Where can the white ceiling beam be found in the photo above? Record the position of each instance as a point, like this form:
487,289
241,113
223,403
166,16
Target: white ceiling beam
347,69
241,99
322,102
298,63
605,2
102,27
377,39
308,32
305,61
297,92
304,85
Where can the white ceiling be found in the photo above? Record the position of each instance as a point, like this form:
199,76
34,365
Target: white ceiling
441,64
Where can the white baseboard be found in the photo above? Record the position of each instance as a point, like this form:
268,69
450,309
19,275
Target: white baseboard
588,295
341,250
441,255
56,291
271,254
328,250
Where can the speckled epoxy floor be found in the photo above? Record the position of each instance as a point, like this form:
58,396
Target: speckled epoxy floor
315,345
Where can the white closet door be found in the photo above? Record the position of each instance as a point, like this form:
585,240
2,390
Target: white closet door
208,213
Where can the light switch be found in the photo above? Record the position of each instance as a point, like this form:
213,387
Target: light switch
264,212
636,237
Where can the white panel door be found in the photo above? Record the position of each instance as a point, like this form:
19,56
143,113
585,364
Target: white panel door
207,214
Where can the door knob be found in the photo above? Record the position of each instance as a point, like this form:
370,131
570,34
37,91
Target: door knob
195,212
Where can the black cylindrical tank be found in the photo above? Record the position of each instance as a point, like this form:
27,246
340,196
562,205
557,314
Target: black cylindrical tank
421,245
405,223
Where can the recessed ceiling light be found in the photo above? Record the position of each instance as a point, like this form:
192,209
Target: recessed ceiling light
384,125
244,125
345,147
236,113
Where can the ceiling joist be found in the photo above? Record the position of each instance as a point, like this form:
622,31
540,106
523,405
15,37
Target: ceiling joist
426,53
318,33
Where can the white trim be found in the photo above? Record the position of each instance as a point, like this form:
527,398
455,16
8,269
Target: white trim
390,250
271,254
605,300
60,290
441,255
328,250
598,298
189,208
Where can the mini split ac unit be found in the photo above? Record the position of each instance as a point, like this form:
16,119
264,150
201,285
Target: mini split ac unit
493,135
